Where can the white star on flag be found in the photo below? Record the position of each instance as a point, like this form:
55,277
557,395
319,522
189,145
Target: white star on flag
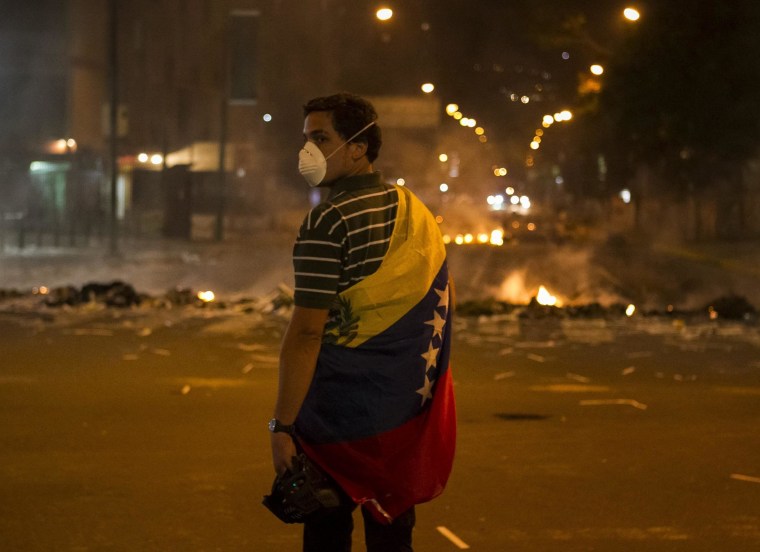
438,322
444,295
430,356
426,390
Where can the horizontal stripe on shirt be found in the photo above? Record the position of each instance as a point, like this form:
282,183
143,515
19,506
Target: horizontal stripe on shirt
344,239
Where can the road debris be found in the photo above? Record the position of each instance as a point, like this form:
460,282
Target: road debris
748,478
600,402
503,375
459,543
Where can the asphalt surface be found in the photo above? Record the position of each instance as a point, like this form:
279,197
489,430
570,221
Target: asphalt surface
146,430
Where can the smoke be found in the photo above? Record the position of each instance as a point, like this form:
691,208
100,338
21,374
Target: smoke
650,278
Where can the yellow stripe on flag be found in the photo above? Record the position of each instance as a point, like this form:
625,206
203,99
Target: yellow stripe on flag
415,256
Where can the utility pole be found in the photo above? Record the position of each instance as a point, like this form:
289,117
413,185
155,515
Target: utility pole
113,116
224,111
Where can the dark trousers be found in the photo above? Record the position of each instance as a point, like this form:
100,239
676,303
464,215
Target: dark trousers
333,532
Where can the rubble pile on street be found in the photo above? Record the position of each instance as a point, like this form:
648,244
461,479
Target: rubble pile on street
729,307
118,294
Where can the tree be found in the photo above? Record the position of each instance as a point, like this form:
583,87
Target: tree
681,94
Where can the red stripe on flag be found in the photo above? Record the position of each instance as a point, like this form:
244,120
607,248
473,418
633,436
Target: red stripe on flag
408,465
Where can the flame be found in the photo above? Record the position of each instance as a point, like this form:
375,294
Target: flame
545,298
206,296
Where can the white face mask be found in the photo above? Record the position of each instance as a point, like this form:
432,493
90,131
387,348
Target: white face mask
312,164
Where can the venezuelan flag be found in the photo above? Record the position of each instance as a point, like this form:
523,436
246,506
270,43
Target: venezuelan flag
379,416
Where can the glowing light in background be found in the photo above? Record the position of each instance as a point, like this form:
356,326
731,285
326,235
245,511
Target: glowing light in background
443,158
143,158
631,14
384,14
597,69
625,195
497,237
156,159
452,108
428,87
401,182
444,187
267,117
629,310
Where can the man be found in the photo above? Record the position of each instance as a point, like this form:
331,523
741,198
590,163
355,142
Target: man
364,380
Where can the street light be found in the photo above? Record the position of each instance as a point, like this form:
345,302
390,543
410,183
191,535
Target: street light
384,14
631,14
428,87
597,69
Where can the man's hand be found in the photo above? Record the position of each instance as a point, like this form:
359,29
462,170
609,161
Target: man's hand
283,451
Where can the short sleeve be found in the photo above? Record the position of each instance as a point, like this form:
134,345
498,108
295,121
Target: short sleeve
318,256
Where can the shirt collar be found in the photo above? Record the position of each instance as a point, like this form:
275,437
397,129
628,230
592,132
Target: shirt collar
355,183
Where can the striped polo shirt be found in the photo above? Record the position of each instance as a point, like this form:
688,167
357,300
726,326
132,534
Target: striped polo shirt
344,239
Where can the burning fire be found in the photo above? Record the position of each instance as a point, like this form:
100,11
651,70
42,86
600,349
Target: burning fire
545,298
206,296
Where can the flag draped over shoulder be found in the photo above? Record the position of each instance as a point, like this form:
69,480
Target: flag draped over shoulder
379,416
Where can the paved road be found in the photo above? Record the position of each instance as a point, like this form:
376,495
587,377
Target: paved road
145,430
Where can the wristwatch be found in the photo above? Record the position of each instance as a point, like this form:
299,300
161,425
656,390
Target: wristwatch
275,426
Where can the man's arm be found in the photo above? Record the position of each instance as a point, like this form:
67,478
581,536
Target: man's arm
298,359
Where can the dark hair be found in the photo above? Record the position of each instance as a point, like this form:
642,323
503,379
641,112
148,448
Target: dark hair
350,113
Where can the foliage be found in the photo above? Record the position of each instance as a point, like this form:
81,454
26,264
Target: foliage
681,91
343,325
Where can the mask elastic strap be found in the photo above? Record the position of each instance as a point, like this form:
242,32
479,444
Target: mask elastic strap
349,140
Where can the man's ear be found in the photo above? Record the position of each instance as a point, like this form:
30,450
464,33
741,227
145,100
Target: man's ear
358,150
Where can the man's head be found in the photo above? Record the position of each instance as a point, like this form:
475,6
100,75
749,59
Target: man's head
329,122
